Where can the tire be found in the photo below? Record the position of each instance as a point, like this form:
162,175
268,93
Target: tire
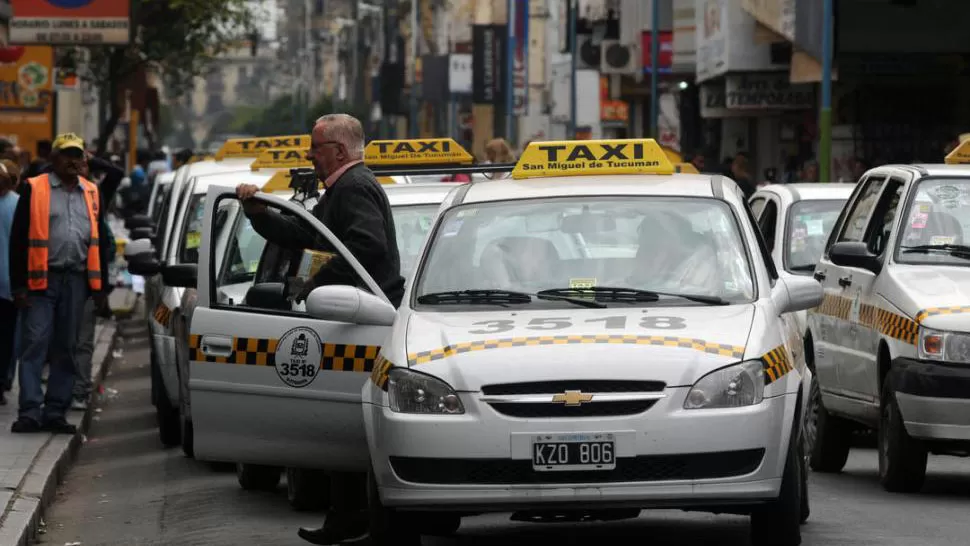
439,524
188,438
833,435
778,523
169,420
257,477
902,458
806,509
388,527
307,490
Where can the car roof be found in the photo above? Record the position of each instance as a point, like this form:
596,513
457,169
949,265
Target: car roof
674,185
812,191
941,169
417,194
203,181
165,178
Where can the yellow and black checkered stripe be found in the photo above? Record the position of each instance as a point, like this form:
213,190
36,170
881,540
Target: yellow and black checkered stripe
886,322
933,311
262,352
380,373
162,314
777,363
719,349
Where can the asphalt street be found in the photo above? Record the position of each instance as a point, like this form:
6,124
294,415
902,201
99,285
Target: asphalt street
127,490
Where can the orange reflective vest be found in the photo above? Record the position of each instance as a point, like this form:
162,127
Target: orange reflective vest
38,234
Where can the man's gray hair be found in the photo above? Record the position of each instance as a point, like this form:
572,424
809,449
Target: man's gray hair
345,129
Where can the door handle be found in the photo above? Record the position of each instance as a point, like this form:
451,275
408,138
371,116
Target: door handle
845,281
216,345
819,276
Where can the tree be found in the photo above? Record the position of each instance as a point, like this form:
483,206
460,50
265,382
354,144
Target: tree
284,116
178,37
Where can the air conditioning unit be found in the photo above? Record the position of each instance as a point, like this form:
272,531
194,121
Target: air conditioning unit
619,58
589,55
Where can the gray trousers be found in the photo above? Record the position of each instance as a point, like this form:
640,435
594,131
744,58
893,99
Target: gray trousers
85,351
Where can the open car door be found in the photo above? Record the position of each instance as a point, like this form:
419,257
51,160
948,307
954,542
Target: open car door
272,383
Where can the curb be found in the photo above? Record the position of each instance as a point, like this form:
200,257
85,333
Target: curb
52,462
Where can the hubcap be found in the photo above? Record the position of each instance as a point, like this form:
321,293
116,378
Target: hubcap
811,424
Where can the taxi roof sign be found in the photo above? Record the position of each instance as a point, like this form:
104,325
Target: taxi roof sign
421,151
592,157
251,147
960,155
280,181
281,158
200,157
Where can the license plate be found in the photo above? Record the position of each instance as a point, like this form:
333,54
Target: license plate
573,452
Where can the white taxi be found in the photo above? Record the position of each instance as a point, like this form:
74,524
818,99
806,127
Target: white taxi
592,336
891,339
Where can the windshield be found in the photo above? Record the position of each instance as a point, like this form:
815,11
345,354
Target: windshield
411,223
937,223
809,225
672,245
188,252
160,196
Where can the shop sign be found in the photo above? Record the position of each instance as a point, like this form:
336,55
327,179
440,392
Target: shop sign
70,22
766,92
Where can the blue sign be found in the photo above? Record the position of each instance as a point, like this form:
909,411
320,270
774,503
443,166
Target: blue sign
69,4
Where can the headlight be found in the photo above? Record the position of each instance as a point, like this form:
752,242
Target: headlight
413,392
732,387
943,346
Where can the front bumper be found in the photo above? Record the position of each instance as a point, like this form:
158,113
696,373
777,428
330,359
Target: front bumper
666,456
933,398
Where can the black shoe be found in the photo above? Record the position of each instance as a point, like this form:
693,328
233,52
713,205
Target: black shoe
25,425
347,528
59,426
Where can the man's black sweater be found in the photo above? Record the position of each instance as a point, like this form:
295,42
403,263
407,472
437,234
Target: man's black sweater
355,208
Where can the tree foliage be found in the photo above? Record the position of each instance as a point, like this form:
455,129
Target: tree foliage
284,116
178,37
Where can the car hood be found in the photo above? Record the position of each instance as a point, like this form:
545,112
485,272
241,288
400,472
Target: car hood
938,296
676,345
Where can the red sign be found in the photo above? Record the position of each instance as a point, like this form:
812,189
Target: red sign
666,49
68,22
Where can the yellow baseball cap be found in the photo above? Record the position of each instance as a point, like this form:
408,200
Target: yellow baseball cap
68,140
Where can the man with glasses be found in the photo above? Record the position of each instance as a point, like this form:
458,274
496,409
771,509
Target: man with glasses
355,208
55,265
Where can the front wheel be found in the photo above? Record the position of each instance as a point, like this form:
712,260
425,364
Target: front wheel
902,458
778,523
257,477
169,421
833,435
307,490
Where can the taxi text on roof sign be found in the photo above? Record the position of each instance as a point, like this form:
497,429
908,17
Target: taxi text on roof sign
251,147
960,155
592,157
281,158
423,151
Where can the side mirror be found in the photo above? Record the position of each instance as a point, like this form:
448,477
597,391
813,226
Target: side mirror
139,250
141,233
351,305
145,266
796,293
853,254
139,221
181,275
268,295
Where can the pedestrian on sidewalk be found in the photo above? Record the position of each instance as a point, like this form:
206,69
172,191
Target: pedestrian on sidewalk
9,174
55,265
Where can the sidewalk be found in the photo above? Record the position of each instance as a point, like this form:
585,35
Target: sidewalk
31,465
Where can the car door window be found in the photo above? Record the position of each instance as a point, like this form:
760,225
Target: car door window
243,250
768,222
883,216
757,205
857,221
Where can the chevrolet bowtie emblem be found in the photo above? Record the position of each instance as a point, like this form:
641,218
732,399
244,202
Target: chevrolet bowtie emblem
572,398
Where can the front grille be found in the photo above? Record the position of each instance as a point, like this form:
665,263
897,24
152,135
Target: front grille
585,385
645,468
592,409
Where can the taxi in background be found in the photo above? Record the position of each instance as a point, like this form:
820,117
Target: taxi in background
589,337
891,340
242,295
177,242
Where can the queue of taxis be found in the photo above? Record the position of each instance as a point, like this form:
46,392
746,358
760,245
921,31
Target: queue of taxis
891,340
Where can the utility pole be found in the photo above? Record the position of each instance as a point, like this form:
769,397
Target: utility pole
654,68
413,122
573,16
825,113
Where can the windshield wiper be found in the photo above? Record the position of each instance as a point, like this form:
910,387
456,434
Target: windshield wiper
925,249
486,297
629,295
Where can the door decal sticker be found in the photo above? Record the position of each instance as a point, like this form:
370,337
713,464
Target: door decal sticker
298,357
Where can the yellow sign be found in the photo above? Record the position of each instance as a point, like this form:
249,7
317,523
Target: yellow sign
592,157
280,181
386,180
201,157
423,151
685,168
572,398
27,96
959,155
281,158
252,147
